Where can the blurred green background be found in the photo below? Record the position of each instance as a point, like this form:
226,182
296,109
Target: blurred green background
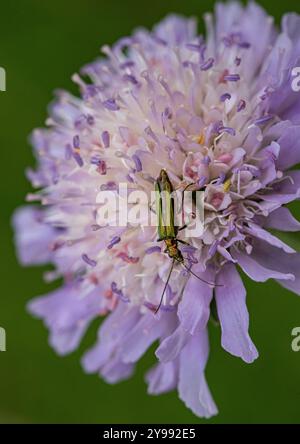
42,43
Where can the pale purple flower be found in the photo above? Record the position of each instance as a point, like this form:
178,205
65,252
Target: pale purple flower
219,112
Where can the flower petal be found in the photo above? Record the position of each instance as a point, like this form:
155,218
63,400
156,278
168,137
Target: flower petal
233,315
275,259
289,148
162,378
262,234
192,386
193,310
147,330
67,315
256,271
171,346
33,237
281,219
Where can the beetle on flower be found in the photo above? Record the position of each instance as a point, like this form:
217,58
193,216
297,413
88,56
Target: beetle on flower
218,112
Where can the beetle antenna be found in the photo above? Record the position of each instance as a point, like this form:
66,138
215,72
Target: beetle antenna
213,284
165,287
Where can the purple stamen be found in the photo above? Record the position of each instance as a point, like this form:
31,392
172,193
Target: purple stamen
129,178
151,133
228,130
244,45
88,261
225,97
105,139
76,142
118,292
130,78
238,61
263,120
221,179
208,64
241,105
115,240
215,129
202,181
78,159
232,78
109,186
128,259
138,163
154,249
102,169
194,46
95,160
111,105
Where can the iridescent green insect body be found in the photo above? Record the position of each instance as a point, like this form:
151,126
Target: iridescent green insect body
167,230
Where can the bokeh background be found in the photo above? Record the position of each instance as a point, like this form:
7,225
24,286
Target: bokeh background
42,43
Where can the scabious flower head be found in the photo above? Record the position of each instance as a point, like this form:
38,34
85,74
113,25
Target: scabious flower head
218,112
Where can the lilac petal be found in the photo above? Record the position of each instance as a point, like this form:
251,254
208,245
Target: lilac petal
145,332
171,346
192,385
69,340
67,315
287,191
110,336
225,253
275,259
115,371
255,27
268,172
289,148
256,271
33,237
162,378
262,234
227,14
193,310
281,219
233,315
176,30
291,26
